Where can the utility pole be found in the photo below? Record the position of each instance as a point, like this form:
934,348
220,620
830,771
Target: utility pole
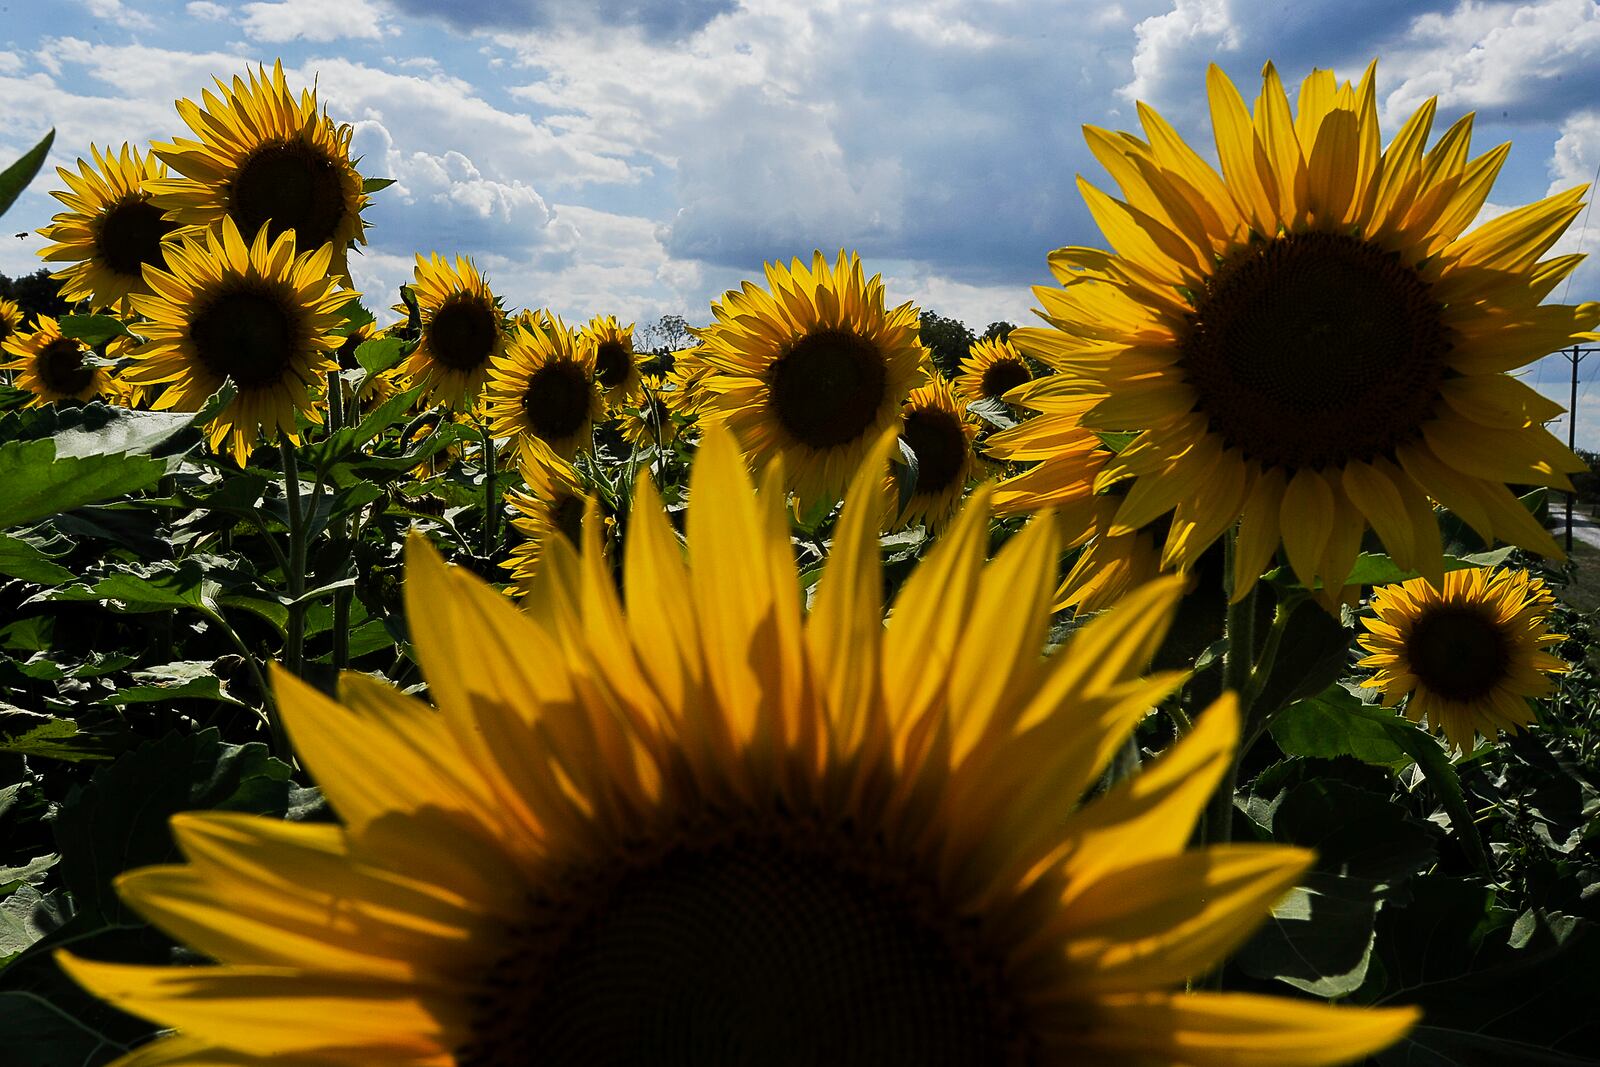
1574,356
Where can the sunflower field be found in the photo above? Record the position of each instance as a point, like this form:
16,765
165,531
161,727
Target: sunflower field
1187,679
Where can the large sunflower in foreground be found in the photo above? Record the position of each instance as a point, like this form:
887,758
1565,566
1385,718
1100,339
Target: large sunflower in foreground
1471,653
992,369
543,389
616,367
463,330
112,230
813,369
693,825
1308,340
258,315
53,367
264,158
937,430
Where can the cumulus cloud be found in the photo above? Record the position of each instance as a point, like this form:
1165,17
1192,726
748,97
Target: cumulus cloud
118,12
205,10
657,18
311,20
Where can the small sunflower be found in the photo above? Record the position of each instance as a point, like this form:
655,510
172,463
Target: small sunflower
648,421
10,318
687,380
123,392
55,368
112,231
553,506
991,370
940,434
543,389
1471,653
1307,343
463,330
264,159
696,824
616,367
813,369
261,316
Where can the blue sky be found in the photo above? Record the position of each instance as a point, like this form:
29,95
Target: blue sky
638,157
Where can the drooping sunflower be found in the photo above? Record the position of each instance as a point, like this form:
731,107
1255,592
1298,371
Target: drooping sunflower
112,230
1470,653
647,422
616,367
813,368
463,330
553,506
543,388
940,434
1308,343
264,158
54,368
695,825
10,318
992,369
261,316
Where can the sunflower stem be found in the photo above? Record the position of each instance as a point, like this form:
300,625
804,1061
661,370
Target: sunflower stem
295,575
491,502
1236,666
344,526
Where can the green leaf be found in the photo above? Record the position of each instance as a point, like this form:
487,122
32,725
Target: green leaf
161,588
1375,568
1117,440
101,430
995,412
373,185
1322,727
38,484
1312,654
906,470
28,733
12,877
1319,938
16,177
378,355
22,559
92,330
183,680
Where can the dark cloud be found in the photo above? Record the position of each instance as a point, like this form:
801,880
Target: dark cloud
657,18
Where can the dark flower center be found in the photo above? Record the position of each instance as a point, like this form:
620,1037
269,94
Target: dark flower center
246,335
1001,377
294,186
556,401
462,332
827,390
61,368
611,363
755,949
566,516
130,236
1458,651
940,445
1311,350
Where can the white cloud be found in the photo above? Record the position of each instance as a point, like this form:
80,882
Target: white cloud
312,20
116,11
205,10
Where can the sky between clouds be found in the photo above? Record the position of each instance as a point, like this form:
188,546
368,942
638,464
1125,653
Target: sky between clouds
638,157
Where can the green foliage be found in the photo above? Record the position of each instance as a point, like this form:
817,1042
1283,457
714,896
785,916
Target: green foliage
947,339
16,177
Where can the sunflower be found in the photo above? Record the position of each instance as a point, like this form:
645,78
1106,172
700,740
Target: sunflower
463,330
53,367
812,369
1307,343
552,507
10,318
615,365
648,421
694,825
937,430
261,316
124,393
1470,653
264,159
543,388
686,380
992,369
112,230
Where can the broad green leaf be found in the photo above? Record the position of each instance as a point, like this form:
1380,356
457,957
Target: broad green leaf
185,679
38,484
27,733
1312,653
380,354
1375,568
12,877
92,330
373,185
1319,937
22,559
26,916
995,412
16,177
1117,440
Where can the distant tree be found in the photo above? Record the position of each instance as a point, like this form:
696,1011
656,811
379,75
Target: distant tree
948,340
36,294
998,331
670,332
1586,484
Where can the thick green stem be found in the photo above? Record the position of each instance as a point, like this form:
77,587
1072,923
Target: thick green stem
1236,665
491,501
341,597
295,575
